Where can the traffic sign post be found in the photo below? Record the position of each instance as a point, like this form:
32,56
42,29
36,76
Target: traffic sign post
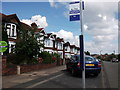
82,58
74,11
76,14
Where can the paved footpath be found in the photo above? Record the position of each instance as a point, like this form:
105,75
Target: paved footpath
9,81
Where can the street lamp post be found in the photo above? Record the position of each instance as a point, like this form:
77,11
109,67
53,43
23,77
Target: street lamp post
100,52
114,51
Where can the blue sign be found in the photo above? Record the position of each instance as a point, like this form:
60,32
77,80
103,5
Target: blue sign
74,2
75,10
74,17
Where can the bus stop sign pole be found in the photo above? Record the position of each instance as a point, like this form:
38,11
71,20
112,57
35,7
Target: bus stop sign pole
82,58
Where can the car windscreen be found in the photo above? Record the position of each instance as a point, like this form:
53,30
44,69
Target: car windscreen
89,59
75,58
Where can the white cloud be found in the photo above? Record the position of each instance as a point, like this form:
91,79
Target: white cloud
99,15
66,14
102,27
68,36
104,18
27,21
85,27
88,0
38,19
53,4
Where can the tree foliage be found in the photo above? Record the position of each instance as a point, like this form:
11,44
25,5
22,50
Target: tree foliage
87,53
49,58
26,48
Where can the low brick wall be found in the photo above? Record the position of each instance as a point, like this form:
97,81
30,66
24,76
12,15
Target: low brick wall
12,70
9,71
29,68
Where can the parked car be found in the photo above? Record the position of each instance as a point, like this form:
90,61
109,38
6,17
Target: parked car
98,60
115,60
92,65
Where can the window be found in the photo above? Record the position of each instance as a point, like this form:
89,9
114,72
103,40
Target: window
11,29
56,44
12,47
60,45
48,42
8,28
65,48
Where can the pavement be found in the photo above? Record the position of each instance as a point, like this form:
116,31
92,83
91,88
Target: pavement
13,80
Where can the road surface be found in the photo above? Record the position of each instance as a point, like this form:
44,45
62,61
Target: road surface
63,79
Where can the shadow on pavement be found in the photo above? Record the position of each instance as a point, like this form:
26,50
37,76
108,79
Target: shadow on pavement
68,73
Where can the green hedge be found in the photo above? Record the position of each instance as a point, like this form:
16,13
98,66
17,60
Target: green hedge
47,57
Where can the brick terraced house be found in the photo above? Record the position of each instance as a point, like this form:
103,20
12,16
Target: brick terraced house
70,50
11,24
51,42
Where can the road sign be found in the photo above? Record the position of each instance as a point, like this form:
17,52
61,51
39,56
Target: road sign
3,46
74,17
74,11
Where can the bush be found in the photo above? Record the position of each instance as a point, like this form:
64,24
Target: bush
47,57
57,56
39,59
13,58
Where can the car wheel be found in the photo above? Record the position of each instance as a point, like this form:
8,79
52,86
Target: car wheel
73,72
67,68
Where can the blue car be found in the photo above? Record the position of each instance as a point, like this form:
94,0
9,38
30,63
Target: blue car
92,65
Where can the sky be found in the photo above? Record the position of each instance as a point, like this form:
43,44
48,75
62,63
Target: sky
100,22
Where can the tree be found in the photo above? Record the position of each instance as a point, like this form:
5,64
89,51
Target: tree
106,53
99,57
87,53
26,48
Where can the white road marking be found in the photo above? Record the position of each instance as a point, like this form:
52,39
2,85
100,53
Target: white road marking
44,81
